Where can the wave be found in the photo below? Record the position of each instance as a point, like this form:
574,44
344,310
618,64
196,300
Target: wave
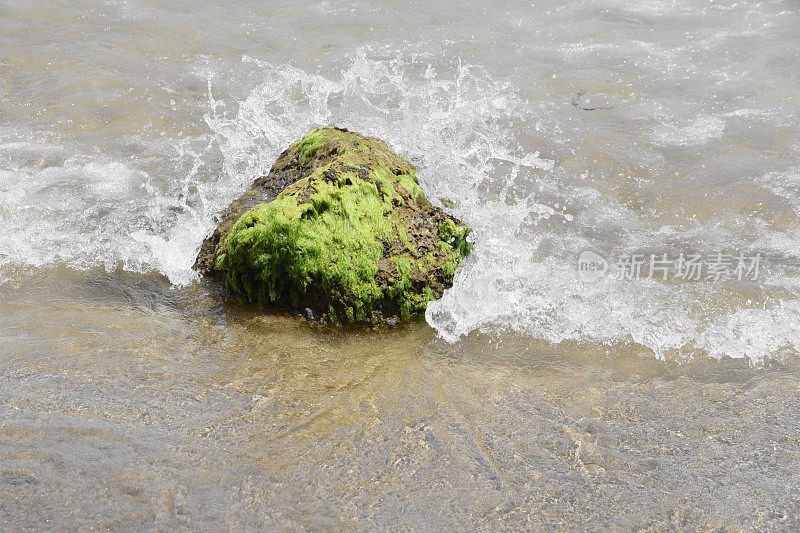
474,140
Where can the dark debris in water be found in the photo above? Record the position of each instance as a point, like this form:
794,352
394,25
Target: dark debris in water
581,103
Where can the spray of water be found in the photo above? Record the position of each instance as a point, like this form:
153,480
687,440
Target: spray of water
468,134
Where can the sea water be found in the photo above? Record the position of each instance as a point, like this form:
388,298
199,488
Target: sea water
534,395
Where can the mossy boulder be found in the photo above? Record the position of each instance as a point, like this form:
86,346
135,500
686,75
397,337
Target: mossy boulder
341,227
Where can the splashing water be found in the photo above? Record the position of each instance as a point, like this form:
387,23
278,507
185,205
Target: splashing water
463,129
474,141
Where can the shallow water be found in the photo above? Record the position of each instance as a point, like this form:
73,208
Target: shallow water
131,397
127,404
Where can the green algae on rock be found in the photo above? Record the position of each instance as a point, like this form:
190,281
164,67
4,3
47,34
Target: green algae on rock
340,226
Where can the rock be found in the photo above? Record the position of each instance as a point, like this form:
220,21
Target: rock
341,228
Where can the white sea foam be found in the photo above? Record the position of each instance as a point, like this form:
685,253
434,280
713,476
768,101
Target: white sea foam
699,131
472,138
87,211
462,129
